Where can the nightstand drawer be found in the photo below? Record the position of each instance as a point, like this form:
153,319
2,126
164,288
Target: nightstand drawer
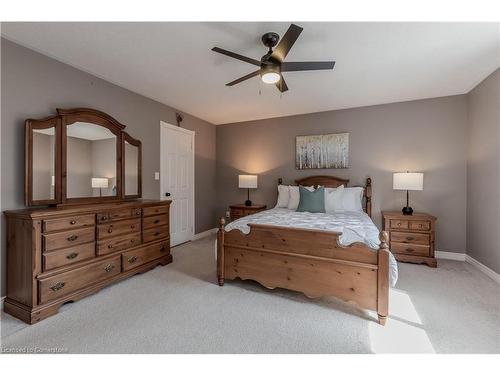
407,237
410,249
420,225
399,224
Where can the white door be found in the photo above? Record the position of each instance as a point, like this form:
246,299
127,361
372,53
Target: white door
177,180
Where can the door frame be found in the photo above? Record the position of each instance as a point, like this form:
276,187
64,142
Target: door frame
163,136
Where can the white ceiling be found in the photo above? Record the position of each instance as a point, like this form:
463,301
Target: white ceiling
172,62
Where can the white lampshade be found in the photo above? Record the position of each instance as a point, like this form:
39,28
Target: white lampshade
408,181
99,182
247,181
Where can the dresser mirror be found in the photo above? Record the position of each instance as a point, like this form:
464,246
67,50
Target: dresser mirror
131,166
91,153
80,156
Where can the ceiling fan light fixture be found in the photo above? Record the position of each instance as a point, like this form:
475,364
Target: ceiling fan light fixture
270,77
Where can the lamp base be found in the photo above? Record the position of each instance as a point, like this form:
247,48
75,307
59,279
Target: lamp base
407,210
248,202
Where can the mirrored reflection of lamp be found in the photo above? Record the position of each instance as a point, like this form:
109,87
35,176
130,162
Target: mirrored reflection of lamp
247,181
100,183
408,181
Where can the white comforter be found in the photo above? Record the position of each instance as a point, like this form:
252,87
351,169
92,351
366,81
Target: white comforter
354,226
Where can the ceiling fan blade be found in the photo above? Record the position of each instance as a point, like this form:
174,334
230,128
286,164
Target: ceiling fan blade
244,78
236,56
286,43
281,85
307,65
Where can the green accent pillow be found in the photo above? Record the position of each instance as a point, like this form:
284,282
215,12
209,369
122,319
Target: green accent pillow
311,201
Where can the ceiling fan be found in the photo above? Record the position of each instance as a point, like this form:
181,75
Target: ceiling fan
272,64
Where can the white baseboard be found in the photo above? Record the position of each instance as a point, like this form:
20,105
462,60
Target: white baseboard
486,270
207,233
1,302
450,255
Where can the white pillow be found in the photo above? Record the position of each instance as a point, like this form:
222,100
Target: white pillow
351,199
283,196
293,203
333,199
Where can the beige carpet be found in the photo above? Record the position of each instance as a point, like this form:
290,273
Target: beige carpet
180,309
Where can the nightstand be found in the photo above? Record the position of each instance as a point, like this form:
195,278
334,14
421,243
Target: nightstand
240,210
411,236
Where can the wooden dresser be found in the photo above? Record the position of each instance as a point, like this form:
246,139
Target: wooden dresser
57,255
411,237
240,210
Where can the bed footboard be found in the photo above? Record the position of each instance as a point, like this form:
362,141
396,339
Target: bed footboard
308,261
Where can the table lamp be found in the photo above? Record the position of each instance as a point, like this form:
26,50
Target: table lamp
247,181
99,183
408,181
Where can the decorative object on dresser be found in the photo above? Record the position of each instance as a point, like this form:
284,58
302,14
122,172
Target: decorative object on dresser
311,261
412,237
247,181
241,210
83,242
322,151
408,181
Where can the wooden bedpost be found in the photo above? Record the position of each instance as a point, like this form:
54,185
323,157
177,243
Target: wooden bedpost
280,181
383,278
220,252
368,193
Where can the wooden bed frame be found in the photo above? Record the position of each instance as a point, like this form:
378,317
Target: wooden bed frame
309,261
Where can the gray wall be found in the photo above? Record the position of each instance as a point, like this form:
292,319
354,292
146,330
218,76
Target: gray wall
34,85
424,135
483,172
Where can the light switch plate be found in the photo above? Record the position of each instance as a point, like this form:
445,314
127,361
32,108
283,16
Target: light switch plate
157,175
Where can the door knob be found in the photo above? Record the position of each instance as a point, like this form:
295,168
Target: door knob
167,194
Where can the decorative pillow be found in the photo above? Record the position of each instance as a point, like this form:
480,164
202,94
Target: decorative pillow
293,203
283,196
333,199
351,199
311,201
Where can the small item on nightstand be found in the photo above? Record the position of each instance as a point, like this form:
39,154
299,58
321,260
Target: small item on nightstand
408,181
241,210
411,238
247,181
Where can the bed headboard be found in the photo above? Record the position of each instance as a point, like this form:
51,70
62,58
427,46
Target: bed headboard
333,182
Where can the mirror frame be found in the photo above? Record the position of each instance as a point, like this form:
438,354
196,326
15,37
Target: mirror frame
134,142
30,125
64,118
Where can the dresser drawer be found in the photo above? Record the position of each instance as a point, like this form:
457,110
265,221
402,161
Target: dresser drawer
118,228
135,258
64,257
67,282
407,237
118,243
112,215
156,233
399,224
420,225
410,249
71,238
157,210
69,222
154,221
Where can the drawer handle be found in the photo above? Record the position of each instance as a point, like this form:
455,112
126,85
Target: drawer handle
163,248
132,260
410,238
138,212
72,222
72,256
58,286
110,230
109,268
157,221
399,224
110,246
72,237
104,218
410,250
132,226
157,233
132,240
